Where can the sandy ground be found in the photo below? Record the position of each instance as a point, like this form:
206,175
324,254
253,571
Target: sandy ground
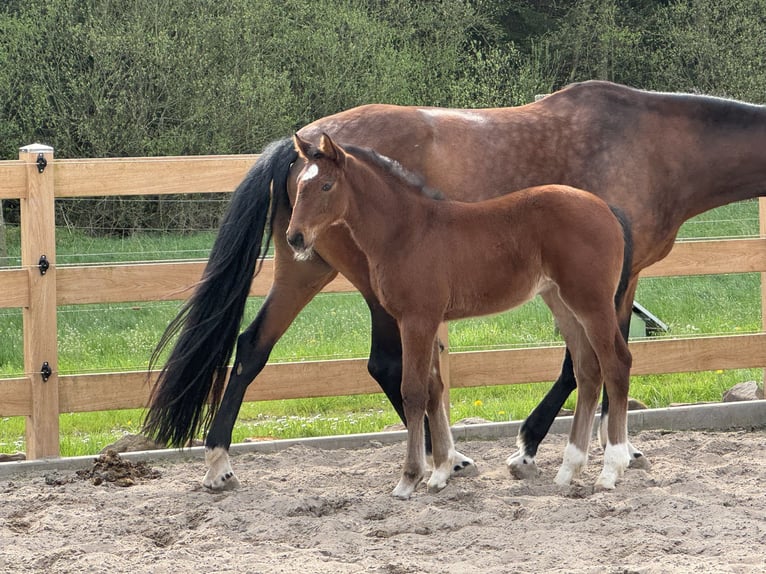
701,508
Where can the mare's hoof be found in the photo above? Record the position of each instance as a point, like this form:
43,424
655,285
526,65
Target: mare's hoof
639,461
228,481
219,474
522,467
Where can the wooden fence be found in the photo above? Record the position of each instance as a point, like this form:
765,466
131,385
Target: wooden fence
39,286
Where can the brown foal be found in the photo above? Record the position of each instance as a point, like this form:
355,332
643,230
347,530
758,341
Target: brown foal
434,260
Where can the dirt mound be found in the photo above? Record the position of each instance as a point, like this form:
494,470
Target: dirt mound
111,467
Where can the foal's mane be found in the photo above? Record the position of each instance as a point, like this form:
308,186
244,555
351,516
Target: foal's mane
394,169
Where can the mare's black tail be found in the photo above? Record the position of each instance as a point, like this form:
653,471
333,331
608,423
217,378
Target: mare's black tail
209,322
627,260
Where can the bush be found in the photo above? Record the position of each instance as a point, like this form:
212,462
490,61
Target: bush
144,78
177,77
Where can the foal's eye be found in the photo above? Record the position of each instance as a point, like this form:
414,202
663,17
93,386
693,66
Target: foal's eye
326,187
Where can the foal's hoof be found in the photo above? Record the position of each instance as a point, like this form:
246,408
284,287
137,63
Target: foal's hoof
462,466
407,485
435,486
522,467
403,491
639,461
604,484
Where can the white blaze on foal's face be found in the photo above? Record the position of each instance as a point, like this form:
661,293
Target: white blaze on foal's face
305,210
310,172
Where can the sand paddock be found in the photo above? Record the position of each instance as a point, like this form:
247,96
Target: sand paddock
701,508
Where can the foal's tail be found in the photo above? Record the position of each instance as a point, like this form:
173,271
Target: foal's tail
209,322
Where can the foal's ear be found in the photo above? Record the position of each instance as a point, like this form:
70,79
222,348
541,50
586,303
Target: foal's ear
330,149
301,146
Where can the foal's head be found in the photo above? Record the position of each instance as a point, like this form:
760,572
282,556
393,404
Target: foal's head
321,197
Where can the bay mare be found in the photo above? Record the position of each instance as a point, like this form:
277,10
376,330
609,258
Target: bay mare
433,261
660,158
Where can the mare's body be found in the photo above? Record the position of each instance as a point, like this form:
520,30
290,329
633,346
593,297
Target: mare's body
660,158
432,261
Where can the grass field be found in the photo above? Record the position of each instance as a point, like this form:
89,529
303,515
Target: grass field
101,338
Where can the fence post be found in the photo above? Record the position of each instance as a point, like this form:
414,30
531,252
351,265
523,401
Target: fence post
38,257
762,226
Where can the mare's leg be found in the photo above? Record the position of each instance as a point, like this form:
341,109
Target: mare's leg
522,464
385,366
417,352
295,284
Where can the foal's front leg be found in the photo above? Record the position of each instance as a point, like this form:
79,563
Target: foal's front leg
417,349
445,458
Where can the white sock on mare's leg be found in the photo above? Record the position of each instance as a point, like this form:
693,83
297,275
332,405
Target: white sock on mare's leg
520,465
220,475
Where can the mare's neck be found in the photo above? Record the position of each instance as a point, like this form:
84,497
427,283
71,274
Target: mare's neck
731,162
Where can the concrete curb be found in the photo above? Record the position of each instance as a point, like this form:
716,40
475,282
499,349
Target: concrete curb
716,416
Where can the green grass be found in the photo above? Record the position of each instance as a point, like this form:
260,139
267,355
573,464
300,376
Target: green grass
99,338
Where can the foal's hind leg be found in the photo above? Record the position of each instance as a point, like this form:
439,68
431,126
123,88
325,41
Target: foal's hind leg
624,314
614,360
617,454
588,375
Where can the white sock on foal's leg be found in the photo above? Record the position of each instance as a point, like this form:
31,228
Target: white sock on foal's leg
637,458
574,462
441,474
616,461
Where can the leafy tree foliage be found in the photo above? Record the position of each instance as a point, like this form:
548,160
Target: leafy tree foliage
98,78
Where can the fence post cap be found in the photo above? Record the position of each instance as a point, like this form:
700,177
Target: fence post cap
36,148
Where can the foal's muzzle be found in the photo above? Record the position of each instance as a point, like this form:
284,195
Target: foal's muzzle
296,241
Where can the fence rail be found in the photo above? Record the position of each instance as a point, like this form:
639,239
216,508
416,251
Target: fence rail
40,397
